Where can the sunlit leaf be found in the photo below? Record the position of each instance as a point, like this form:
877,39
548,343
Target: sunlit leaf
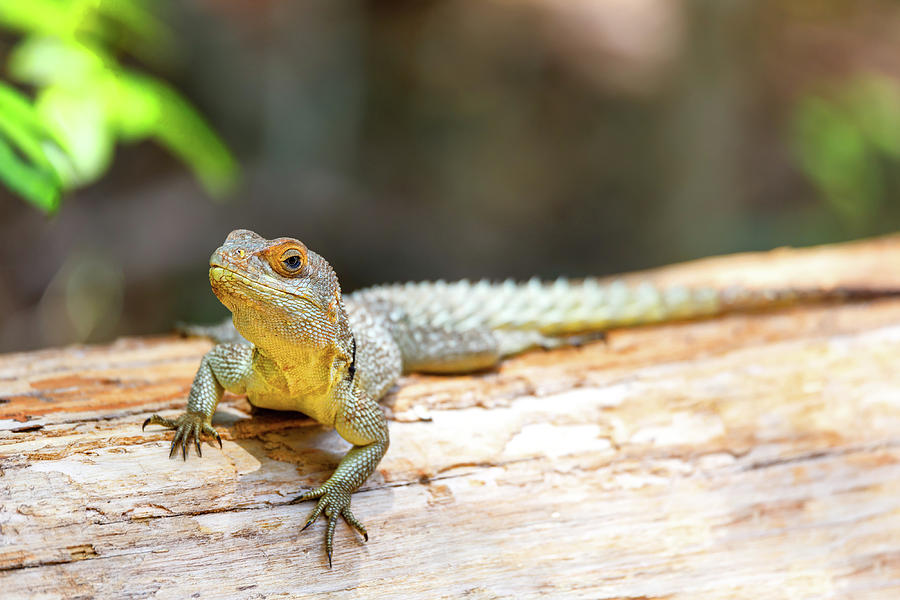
37,185
134,107
149,107
22,130
78,118
45,17
20,122
41,61
86,102
140,32
145,36
134,15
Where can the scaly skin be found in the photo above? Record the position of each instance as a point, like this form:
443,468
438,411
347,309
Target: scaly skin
304,347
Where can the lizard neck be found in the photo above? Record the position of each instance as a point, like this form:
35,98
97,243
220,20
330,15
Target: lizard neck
302,353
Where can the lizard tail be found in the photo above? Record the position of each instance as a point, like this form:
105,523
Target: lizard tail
570,307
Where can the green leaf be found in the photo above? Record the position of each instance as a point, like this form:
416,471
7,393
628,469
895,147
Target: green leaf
134,106
86,101
20,122
145,35
43,16
78,118
39,186
42,61
16,106
149,107
23,130
128,24
49,17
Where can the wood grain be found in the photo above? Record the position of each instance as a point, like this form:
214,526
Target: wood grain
751,456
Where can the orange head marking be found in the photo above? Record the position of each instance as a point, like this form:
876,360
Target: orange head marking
288,258
332,311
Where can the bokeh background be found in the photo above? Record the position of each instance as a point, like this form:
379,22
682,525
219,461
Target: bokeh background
473,138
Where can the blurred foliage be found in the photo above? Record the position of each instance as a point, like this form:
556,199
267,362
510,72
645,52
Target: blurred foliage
848,143
85,101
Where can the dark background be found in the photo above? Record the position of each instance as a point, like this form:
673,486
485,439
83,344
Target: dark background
477,138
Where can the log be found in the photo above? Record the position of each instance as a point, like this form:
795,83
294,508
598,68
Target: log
748,456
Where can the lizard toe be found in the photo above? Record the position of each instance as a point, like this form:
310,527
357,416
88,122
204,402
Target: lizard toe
158,420
329,536
314,515
310,495
354,522
211,431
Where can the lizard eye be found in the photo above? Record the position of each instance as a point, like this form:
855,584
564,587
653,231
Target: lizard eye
288,258
292,260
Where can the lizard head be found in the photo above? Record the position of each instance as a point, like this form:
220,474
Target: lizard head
278,290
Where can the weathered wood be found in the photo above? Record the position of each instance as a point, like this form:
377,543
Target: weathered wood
752,456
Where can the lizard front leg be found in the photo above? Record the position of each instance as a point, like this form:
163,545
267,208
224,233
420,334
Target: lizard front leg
225,367
360,422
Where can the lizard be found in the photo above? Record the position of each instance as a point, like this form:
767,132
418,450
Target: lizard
296,343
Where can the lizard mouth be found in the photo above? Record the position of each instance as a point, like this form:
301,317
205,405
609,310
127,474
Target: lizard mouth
229,282
220,274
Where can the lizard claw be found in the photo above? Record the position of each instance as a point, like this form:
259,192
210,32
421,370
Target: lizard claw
158,420
188,428
334,502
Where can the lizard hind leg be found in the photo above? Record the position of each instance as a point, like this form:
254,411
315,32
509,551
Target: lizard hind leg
421,343
429,349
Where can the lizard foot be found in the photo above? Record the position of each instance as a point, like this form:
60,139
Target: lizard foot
189,426
333,501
